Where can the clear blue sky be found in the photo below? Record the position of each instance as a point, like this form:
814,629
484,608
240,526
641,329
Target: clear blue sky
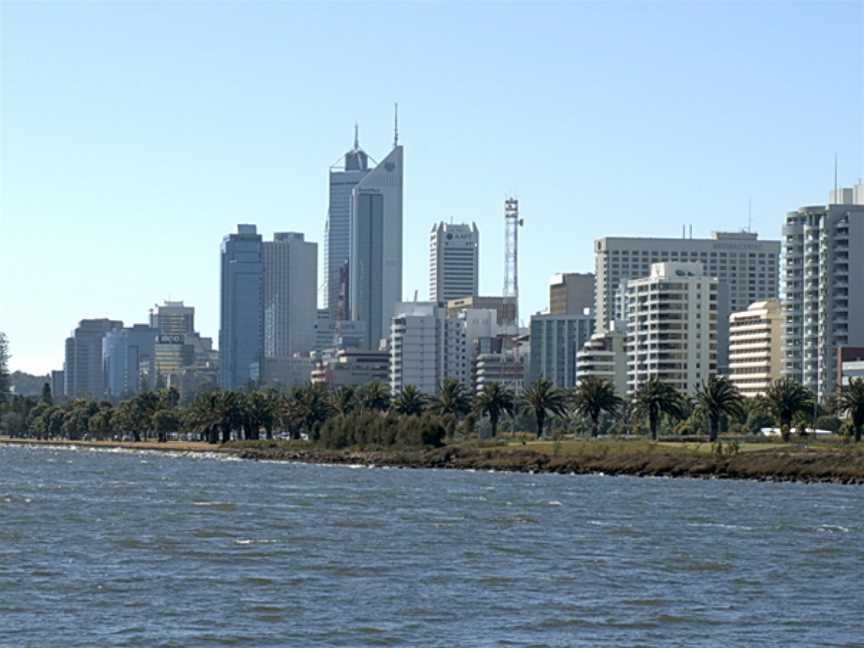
135,135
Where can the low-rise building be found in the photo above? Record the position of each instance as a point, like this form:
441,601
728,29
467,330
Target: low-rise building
850,363
350,367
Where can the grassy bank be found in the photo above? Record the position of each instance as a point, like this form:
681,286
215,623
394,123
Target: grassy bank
775,461
817,462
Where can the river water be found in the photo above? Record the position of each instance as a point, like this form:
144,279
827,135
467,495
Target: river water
105,548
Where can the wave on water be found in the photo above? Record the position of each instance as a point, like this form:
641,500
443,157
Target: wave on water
831,528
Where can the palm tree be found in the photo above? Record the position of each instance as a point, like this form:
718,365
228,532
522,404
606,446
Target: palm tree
453,399
344,400
593,396
410,401
654,398
307,408
452,403
850,400
718,398
786,398
204,416
544,399
375,396
493,401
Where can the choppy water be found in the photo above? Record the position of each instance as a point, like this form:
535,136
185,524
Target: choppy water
134,549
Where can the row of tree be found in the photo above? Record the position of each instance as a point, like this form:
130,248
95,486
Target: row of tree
340,416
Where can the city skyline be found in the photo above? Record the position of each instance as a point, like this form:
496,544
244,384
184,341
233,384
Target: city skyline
183,178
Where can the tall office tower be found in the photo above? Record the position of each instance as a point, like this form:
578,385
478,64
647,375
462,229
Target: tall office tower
454,268
290,295
128,360
241,327
672,327
375,270
746,268
555,343
755,347
512,223
605,356
426,347
173,318
84,376
344,176
824,302
571,292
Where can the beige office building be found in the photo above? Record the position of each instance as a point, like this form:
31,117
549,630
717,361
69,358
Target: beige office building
756,347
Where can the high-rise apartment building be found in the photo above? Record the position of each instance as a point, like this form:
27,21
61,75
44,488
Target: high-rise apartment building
290,295
344,176
453,262
824,299
571,292
241,328
84,374
555,343
173,318
672,327
755,347
426,347
605,356
375,269
128,360
746,268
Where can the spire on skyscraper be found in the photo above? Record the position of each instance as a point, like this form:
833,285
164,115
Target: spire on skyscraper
356,137
395,125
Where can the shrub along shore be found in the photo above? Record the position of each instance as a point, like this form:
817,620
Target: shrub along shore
812,462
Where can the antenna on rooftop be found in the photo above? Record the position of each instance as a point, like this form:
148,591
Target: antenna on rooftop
836,197
395,125
749,215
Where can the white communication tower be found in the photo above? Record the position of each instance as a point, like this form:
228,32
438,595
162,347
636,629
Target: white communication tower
512,223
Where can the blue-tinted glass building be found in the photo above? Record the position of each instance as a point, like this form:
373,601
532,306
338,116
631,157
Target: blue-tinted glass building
127,360
555,341
241,328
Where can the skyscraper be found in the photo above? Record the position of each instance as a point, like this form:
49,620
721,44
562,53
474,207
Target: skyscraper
375,271
128,360
824,304
344,176
290,295
173,318
453,262
84,375
241,329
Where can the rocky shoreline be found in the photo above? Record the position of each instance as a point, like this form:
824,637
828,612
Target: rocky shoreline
799,465
789,463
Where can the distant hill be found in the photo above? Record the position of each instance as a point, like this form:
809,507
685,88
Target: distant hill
26,384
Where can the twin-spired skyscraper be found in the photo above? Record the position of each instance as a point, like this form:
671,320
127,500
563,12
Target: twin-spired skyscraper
363,246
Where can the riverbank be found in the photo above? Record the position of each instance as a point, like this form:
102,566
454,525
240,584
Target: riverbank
814,462
764,462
